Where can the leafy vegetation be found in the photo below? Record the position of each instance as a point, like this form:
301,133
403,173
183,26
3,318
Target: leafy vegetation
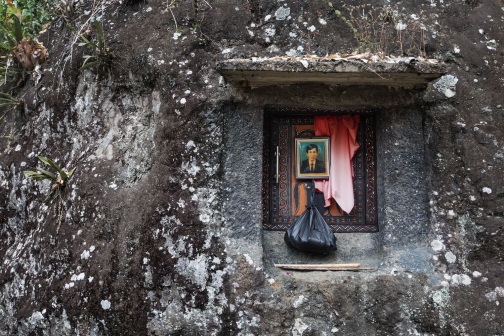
20,24
9,103
59,178
33,14
102,55
384,30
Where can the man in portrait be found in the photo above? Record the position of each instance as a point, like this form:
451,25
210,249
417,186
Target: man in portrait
312,164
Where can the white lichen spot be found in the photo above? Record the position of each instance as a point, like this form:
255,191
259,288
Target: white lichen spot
322,21
472,198
191,168
291,53
269,32
85,254
105,304
450,257
282,13
299,301
305,63
491,44
437,245
204,218
271,281
481,31
440,297
92,248
183,101
401,26
312,28
79,277
487,190
249,260
476,274
446,85
149,50
499,291
491,296
451,214
299,327
267,17
176,35
18,148
456,49
69,285
181,203
449,93
148,10
292,34
190,144
195,270
465,279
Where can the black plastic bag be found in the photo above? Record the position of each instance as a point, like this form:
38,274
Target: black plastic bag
309,232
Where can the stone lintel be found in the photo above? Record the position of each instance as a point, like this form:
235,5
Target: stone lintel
407,73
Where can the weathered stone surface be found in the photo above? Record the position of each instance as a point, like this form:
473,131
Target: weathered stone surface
156,238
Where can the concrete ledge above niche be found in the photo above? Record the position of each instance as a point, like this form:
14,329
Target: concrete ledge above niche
410,73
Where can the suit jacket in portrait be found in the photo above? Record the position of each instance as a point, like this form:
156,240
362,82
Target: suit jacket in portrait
319,167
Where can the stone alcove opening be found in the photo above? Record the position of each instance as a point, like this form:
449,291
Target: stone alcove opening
391,92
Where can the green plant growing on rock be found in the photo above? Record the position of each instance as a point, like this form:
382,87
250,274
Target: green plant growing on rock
384,30
59,180
102,55
20,51
9,103
169,7
344,19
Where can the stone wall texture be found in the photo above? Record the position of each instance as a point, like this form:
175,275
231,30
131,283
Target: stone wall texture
159,226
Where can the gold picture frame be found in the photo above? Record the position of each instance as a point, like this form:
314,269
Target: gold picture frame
313,157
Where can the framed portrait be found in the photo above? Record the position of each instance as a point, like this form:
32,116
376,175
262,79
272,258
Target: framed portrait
312,158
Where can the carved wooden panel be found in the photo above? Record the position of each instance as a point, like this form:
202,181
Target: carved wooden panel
286,200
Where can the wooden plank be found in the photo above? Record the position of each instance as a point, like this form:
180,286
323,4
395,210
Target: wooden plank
310,266
332,269
266,78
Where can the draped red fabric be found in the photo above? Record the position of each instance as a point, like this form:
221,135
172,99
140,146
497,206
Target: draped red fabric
343,132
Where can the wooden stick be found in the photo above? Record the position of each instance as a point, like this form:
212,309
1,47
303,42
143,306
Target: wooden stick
300,268
310,266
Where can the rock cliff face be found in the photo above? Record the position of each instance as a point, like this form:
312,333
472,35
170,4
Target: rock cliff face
156,234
